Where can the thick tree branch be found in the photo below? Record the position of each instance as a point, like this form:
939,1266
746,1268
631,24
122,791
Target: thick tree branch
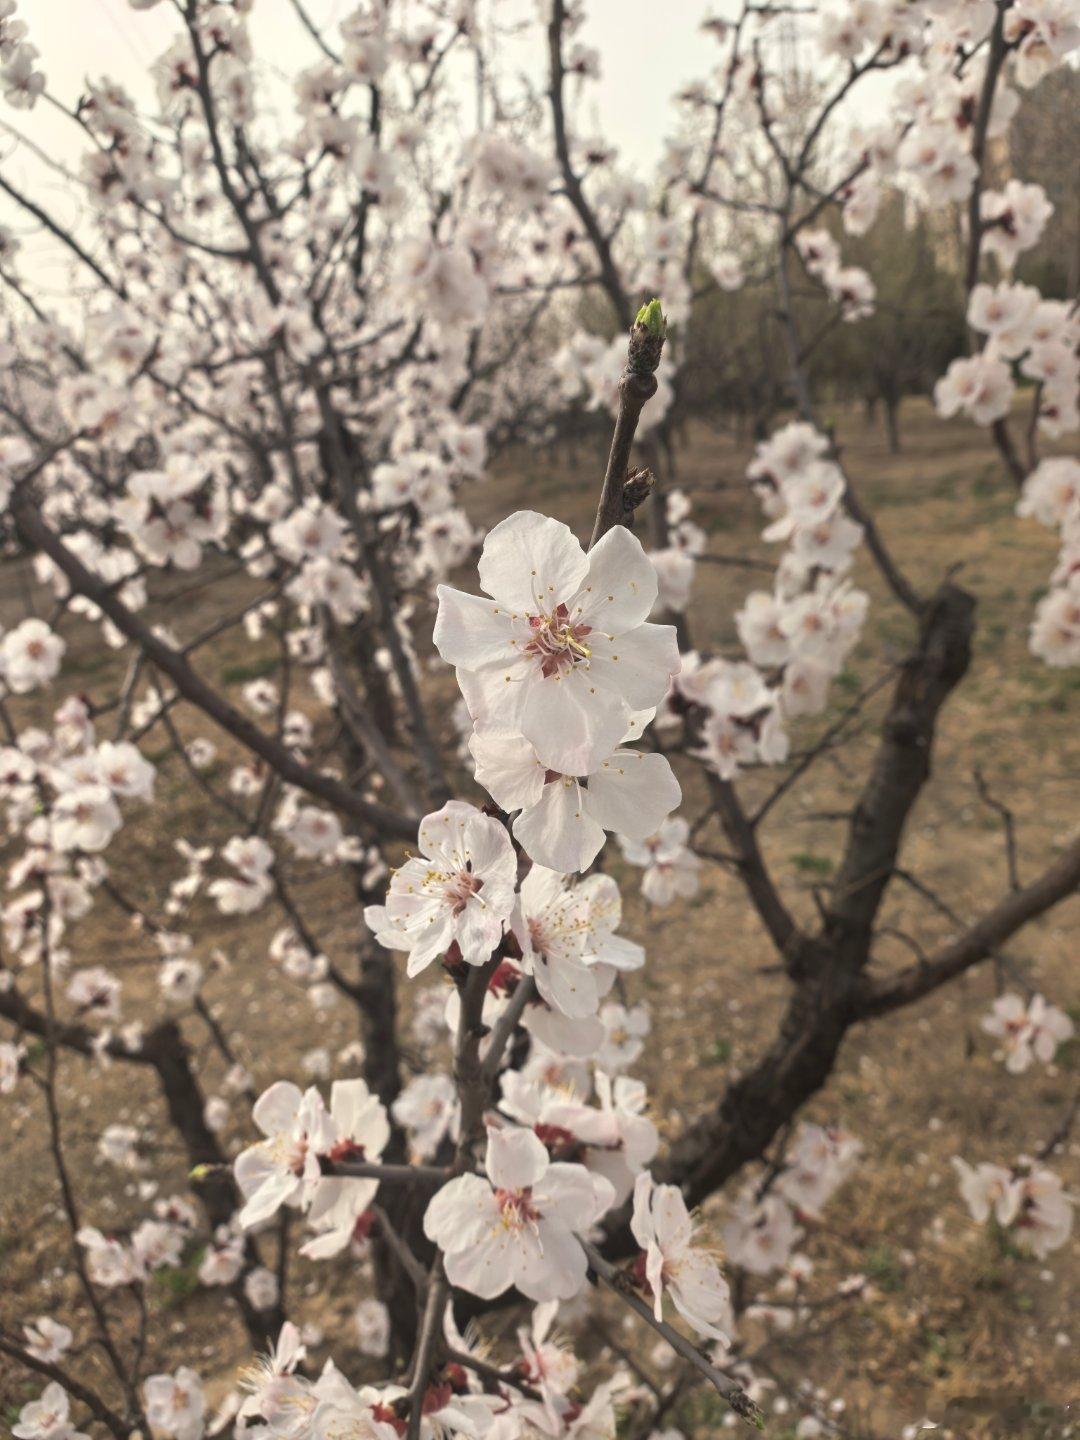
901,766
1057,883
752,870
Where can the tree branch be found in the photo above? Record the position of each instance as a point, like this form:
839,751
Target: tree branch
38,535
1057,883
728,1389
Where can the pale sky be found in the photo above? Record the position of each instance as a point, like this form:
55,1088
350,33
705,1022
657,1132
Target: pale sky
649,49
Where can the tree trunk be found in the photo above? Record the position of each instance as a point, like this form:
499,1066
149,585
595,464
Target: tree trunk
892,423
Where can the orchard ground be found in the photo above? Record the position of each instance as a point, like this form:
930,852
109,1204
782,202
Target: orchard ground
951,1318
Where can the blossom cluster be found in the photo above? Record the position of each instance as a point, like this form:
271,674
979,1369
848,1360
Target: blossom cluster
1027,1032
1052,496
1022,330
797,636
316,431
558,669
1027,1201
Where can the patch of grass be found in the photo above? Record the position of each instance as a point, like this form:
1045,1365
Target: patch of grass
807,863
939,1349
883,1266
720,1052
994,633
847,681
245,670
1067,1056
706,1414
176,1283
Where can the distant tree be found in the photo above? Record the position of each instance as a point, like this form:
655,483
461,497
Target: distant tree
918,322
1042,148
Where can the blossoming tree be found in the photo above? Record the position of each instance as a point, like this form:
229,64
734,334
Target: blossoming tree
287,346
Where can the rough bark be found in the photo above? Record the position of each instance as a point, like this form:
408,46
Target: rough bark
827,967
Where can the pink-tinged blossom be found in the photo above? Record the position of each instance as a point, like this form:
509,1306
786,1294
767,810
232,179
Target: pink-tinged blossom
440,283
517,1227
459,889
549,1366
429,1110
625,1028
95,992
175,1404
562,652
241,894
126,772
359,1131
1055,629
936,167
333,1409
1005,313
47,1340
553,928
282,1169
988,1189
223,1258
20,82
47,1418
313,833
274,1392
1044,1215
662,1226
979,385
564,818
30,656
1044,32
156,1244
672,870
820,1159
761,1234
615,1139
108,1262
1013,220
1028,1201
1027,1032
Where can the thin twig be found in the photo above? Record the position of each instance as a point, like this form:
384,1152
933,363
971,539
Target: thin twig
728,1389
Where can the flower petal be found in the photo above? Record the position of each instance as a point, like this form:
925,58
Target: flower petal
621,586
516,1159
531,563
633,793
558,830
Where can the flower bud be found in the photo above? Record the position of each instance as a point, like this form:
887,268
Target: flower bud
651,317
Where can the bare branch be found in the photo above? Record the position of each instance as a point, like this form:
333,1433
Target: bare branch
38,535
728,1389
1055,884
